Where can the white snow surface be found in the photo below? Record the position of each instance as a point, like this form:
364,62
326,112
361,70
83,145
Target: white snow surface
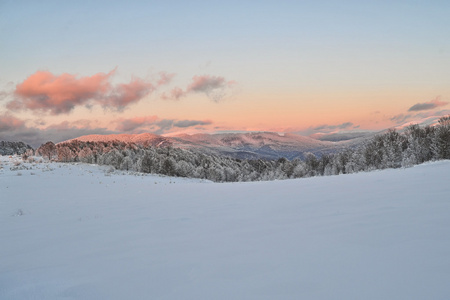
74,231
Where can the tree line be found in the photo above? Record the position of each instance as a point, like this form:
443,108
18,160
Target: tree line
389,150
13,148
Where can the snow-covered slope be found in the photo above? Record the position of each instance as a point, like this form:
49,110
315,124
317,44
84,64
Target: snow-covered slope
81,232
269,145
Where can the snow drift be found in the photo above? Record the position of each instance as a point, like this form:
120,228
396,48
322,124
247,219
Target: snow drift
84,232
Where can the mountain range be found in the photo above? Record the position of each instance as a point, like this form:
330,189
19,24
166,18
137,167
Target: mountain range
249,145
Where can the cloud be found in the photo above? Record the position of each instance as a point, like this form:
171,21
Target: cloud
190,123
78,124
43,91
335,133
427,117
123,95
14,129
422,118
325,128
164,125
206,83
60,94
10,123
428,105
154,124
128,125
216,88
401,118
333,127
342,136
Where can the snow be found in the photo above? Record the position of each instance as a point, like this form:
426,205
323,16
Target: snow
229,143
77,231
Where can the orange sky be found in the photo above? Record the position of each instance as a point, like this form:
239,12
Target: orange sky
305,67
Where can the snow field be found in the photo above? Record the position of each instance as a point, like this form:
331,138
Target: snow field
83,232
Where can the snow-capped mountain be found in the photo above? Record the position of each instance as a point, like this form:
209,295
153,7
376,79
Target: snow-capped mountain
268,145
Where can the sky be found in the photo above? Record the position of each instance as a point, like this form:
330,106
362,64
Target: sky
69,68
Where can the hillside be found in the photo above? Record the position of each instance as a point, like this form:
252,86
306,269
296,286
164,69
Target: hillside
83,232
268,145
256,144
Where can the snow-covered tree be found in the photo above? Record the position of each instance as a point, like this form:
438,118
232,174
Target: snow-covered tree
47,150
441,141
65,154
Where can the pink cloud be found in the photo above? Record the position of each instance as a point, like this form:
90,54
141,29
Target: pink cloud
43,91
59,94
10,123
123,95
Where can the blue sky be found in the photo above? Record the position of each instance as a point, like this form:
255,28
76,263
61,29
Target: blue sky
294,65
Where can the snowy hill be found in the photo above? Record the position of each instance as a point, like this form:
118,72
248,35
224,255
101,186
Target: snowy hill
249,145
83,232
256,144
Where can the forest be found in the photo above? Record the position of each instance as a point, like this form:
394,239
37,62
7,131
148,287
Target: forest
392,149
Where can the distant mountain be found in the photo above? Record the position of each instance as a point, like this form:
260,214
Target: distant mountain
12,148
267,145
251,145
344,136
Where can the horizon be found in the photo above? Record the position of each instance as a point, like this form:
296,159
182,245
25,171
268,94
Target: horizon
339,136
326,67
